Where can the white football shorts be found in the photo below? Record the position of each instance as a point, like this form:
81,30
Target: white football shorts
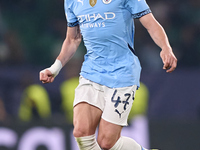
115,103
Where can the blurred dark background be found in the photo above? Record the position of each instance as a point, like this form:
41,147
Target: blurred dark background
31,35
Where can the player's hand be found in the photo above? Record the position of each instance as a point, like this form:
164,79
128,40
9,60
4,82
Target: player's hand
169,59
46,76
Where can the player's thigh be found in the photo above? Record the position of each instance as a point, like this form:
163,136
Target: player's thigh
88,106
108,134
86,119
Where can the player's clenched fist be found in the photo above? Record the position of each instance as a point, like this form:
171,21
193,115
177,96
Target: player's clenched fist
169,60
48,75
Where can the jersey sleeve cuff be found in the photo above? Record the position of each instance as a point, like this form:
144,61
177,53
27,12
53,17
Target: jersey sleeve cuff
72,24
143,13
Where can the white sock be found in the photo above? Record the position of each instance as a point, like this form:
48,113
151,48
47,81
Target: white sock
125,143
87,143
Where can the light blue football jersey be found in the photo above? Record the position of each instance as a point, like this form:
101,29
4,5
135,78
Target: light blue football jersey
107,27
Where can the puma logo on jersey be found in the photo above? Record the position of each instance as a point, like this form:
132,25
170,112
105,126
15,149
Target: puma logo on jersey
81,1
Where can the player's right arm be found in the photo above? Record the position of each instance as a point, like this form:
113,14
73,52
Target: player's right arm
69,47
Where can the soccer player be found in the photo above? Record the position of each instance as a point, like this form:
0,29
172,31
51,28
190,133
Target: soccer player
110,72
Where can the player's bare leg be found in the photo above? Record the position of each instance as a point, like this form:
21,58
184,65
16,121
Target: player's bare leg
109,138
86,120
108,134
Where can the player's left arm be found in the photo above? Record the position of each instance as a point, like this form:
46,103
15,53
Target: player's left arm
159,36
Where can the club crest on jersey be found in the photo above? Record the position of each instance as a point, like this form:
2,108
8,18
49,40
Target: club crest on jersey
106,1
93,2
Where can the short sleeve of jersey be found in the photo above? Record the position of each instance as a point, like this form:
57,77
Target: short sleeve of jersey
71,18
138,8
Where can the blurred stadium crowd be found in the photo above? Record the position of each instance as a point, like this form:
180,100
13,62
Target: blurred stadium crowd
31,34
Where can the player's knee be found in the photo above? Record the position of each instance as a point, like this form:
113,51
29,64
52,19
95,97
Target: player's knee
81,130
105,143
